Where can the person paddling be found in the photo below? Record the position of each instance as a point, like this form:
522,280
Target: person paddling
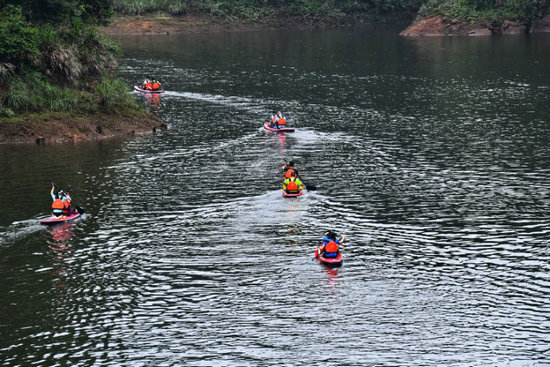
330,247
61,204
272,119
147,80
281,121
155,85
293,184
288,168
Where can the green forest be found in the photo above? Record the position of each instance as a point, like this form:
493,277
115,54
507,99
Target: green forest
53,58
375,10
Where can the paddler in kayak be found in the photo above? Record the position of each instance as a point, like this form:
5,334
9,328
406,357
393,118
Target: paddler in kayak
61,205
155,85
145,82
331,245
281,122
293,184
288,168
277,120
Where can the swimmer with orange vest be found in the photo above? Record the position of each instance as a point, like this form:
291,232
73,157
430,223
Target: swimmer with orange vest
331,245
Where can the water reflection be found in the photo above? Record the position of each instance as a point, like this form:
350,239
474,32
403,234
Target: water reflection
153,101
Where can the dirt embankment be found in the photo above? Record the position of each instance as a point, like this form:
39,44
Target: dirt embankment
162,24
437,26
61,128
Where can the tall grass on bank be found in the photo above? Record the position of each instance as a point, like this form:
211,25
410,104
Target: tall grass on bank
67,67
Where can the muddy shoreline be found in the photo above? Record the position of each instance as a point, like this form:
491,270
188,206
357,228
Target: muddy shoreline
161,24
62,128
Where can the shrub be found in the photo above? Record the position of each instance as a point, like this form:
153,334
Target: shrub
19,40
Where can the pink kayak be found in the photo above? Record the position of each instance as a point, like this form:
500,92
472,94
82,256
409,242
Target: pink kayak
282,129
330,261
292,195
56,220
139,89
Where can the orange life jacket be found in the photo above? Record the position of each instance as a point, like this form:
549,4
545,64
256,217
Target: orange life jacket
331,247
282,121
57,204
149,85
289,172
274,119
156,86
66,207
292,186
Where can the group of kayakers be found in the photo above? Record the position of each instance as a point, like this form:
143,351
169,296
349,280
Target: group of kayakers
151,84
330,246
292,185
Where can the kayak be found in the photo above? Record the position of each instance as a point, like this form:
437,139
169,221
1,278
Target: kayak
281,129
289,195
332,261
139,89
61,219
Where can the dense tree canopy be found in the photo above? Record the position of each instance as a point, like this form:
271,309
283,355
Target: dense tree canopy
62,11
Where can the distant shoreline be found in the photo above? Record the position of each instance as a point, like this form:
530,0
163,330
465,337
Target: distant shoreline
162,24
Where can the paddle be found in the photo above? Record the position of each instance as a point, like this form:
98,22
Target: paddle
78,208
309,185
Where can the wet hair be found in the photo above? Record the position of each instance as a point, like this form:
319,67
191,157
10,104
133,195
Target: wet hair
291,163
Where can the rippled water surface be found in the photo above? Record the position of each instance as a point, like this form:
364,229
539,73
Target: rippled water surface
432,156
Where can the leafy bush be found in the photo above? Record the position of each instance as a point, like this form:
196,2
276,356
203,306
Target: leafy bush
112,95
259,9
52,57
19,39
490,11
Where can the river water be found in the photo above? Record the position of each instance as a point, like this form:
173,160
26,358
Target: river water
432,156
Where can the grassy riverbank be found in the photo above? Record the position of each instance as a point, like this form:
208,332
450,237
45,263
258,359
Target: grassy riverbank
54,62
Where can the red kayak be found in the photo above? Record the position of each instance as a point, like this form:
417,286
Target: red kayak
281,129
61,219
140,89
290,195
330,261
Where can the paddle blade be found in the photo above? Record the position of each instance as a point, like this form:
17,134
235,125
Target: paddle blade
310,186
